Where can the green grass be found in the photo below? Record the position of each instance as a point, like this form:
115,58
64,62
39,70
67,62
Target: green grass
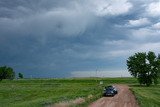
38,92
147,96
42,92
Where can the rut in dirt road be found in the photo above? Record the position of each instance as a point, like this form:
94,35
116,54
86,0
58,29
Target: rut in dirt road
124,98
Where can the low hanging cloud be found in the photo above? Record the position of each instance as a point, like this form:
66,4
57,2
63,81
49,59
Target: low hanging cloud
70,20
61,21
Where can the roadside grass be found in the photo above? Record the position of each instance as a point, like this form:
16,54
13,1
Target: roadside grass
147,96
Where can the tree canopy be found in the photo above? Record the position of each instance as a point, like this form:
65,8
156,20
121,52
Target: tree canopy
145,67
20,75
6,73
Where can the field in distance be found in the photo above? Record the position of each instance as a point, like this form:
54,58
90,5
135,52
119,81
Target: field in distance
43,92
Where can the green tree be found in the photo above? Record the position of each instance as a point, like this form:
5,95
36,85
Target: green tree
145,67
6,73
20,75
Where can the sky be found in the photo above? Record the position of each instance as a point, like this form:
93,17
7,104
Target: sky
76,38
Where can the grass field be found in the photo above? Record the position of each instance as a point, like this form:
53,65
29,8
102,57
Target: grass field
42,92
147,96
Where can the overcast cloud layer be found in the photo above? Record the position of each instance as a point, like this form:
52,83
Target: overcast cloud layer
70,38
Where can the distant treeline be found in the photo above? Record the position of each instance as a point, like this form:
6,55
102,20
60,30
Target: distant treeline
8,73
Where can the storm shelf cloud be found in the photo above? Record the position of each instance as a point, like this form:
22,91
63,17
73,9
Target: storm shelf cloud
61,38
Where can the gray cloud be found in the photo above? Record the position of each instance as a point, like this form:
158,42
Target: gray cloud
58,38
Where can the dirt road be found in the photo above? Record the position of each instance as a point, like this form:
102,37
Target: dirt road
124,98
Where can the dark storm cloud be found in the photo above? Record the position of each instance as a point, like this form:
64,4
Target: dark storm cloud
62,38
